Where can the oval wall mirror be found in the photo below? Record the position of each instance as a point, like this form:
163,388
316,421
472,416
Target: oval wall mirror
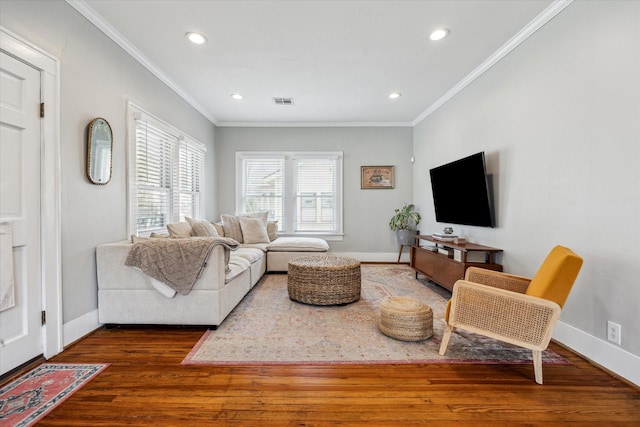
99,148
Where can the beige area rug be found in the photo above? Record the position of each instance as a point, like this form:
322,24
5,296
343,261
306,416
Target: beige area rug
268,328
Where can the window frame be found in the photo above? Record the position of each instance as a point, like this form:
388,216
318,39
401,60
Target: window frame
286,227
182,141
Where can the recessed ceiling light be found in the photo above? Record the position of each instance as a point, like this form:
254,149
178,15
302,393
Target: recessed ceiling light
196,38
236,96
439,34
395,95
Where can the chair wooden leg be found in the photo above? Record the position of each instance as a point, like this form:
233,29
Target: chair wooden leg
537,365
448,329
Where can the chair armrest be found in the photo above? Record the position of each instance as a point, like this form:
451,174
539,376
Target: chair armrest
516,318
497,279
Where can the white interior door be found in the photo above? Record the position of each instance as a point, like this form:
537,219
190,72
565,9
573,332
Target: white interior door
20,242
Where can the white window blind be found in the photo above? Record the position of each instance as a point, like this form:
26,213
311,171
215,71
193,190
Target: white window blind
302,191
167,172
190,173
263,186
315,195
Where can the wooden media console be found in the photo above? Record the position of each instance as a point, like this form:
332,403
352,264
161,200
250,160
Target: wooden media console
445,262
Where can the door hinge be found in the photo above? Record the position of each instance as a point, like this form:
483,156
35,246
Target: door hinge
41,109
44,317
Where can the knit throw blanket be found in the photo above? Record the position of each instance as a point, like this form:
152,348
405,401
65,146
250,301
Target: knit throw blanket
177,262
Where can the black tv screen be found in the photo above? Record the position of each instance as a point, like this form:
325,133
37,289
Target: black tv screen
461,192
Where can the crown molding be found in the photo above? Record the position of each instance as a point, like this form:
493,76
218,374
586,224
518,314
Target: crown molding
545,16
312,124
88,12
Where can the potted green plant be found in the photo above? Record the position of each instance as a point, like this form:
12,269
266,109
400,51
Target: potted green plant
404,222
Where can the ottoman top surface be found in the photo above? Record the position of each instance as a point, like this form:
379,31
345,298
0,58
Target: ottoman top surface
403,304
325,262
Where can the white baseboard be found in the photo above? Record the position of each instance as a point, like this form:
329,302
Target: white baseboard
604,353
78,328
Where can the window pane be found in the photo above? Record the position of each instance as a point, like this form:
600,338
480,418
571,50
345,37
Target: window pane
168,176
263,186
302,190
152,210
190,172
315,195
154,152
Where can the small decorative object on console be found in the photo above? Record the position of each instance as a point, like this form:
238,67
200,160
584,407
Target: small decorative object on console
445,237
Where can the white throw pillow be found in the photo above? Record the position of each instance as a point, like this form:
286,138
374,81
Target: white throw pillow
202,228
231,226
272,230
219,228
263,215
179,230
253,230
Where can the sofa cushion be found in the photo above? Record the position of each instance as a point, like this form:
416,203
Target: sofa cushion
219,228
250,254
272,230
260,246
202,228
237,265
231,224
298,244
138,239
254,230
263,215
179,229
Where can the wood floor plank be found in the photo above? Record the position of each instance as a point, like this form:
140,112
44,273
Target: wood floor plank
146,385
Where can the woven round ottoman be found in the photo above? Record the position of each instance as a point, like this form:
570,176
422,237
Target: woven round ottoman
406,319
324,280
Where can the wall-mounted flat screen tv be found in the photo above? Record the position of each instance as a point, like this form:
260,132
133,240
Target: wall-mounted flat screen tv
461,192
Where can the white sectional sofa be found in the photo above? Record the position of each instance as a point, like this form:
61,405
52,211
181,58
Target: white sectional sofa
126,295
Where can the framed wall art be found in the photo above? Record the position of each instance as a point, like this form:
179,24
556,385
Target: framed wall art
376,177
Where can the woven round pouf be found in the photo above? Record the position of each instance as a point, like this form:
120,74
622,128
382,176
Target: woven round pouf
406,319
324,280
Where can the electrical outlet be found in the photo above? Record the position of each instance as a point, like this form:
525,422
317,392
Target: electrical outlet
614,332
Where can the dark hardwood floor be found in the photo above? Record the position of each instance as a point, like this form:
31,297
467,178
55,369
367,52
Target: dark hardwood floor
147,385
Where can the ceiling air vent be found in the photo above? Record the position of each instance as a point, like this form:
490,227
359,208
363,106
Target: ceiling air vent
283,101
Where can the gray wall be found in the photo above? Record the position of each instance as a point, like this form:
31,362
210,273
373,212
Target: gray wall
559,120
97,78
366,212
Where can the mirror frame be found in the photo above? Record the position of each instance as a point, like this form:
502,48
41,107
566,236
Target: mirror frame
90,144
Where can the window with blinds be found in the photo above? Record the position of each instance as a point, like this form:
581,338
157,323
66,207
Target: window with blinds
263,186
168,171
302,191
153,161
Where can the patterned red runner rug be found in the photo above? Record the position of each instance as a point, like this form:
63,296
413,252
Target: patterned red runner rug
29,398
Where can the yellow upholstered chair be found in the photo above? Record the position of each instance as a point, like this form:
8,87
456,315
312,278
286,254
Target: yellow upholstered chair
514,309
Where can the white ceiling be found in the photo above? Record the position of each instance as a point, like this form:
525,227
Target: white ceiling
339,60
